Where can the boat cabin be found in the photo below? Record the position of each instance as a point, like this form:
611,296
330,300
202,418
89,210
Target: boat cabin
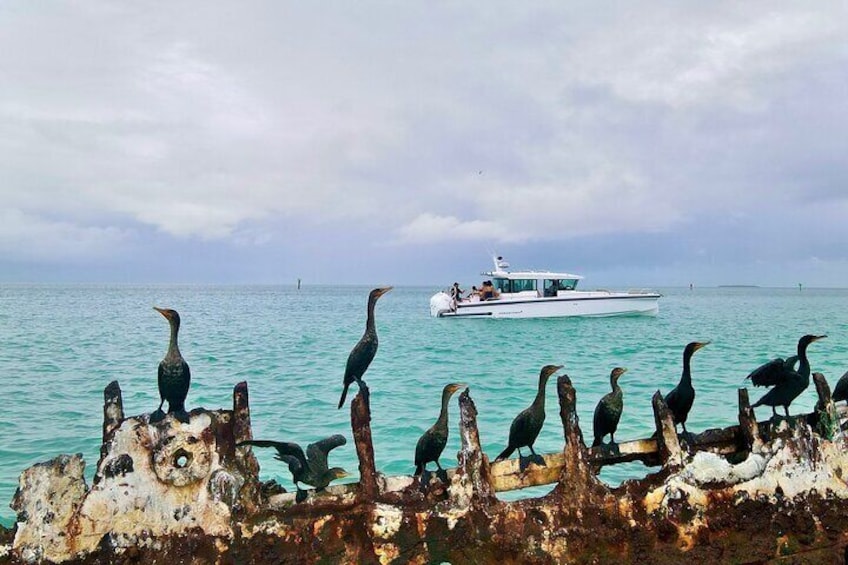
533,284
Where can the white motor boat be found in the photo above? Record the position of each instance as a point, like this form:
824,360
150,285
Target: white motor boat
540,294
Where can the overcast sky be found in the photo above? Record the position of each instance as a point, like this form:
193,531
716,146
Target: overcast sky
655,143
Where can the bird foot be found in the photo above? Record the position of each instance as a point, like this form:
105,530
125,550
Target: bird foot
523,463
181,416
156,416
366,394
424,480
442,475
301,495
538,460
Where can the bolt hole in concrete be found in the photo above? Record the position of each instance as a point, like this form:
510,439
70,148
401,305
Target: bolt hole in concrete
182,459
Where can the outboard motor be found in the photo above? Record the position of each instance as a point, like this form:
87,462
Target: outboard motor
440,303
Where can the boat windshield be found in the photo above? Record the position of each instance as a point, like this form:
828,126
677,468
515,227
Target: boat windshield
552,286
514,285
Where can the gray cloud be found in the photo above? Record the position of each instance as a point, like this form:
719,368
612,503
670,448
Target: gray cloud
420,125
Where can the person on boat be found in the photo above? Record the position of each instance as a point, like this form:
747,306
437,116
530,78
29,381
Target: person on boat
475,293
488,291
456,294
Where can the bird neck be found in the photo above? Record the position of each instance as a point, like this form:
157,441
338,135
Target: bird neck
443,415
173,347
614,384
369,322
686,377
540,394
803,362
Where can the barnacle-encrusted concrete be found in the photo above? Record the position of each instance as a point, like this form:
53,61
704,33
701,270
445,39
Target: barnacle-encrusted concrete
183,493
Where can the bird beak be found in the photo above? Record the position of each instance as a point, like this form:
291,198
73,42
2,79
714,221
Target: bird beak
623,370
701,344
818,337
163,312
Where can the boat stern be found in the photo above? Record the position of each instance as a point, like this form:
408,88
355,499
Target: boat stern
440,303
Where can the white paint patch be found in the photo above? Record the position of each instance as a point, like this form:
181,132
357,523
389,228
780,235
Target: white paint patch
387,520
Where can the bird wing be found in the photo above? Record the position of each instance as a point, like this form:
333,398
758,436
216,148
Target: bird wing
430,444
317,452
599,422
187,372
790,362
840,391
672,399
295,466
284,449
360,358
160,378
769,374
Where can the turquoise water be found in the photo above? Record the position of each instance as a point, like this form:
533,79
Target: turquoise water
61,345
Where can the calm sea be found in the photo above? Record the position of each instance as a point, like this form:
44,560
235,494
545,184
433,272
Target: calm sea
61,345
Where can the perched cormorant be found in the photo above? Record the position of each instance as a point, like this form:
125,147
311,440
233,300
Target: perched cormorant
840,391
526,426
681,397
432,442
363,352
608,410
174,374
310,469
786,383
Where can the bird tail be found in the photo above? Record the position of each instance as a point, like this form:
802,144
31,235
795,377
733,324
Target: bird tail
505,453
419,469
344,395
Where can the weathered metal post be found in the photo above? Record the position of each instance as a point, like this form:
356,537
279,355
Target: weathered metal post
473,470
360,421
668,446
245,459
748,426
242,430
828,421
576,482
113,413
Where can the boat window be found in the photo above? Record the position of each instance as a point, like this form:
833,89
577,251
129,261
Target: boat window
551,287
502,285
521,285
567,284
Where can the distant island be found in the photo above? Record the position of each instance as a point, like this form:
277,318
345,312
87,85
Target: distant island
739,286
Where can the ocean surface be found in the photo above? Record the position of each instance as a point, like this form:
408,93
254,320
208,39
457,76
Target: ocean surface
61,345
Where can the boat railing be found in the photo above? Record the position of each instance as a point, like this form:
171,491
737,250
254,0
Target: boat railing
640,291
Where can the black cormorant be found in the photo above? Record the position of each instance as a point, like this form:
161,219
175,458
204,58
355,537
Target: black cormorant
840,391
608,410
174,374
310,469
786,384
526,426
363,352
681,397
432,442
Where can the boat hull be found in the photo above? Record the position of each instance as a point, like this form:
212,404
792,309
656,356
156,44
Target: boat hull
576,304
